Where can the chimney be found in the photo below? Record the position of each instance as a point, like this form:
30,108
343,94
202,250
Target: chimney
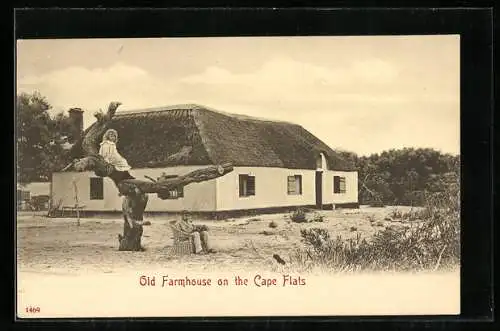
76,123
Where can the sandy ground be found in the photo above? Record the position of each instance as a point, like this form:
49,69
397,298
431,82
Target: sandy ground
59,245
66,270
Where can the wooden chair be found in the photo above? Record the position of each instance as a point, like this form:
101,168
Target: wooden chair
182,245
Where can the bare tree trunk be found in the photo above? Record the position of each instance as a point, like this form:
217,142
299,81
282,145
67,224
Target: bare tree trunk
134,190
133,207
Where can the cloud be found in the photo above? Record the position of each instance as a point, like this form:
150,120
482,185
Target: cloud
286,72
211,75
373,71
360,105
92,89
102,76
283,83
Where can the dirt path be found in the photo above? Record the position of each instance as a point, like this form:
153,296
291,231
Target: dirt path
59,245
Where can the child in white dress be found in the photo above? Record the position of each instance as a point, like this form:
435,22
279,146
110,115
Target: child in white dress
110,154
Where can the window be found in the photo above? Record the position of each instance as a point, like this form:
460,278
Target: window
294,185
247,185
338,184
96,188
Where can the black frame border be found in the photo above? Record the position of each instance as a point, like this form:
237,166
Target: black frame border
475,26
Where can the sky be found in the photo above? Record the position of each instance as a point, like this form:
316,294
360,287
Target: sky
364,94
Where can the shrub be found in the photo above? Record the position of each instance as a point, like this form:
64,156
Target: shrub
430,244
316,237
318,217
376,204
413,215
396,214
273,224
298,216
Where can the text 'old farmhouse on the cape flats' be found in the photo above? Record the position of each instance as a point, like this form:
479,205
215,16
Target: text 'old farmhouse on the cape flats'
277,165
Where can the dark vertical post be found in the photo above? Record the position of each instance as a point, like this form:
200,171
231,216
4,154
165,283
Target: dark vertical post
319,189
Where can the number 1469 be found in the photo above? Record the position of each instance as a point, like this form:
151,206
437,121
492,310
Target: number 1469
32,309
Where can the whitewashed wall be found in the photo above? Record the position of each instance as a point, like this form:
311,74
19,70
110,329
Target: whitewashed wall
271,188
351,182
221,194
197,196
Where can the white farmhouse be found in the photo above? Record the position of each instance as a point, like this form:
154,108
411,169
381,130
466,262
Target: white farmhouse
277,165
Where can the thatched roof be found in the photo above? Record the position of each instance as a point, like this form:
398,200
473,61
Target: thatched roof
197,135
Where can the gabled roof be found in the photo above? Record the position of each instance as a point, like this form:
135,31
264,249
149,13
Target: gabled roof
197,135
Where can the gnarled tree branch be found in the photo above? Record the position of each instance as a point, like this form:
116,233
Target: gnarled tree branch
134,190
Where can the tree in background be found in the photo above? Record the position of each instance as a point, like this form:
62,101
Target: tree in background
404,176
41,139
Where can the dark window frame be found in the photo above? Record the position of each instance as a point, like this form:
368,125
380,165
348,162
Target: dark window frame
96,193
295,177
339,185
246,185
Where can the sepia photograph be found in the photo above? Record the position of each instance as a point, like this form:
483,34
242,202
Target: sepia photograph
238,176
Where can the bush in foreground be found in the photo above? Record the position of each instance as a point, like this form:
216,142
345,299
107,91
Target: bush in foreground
432,243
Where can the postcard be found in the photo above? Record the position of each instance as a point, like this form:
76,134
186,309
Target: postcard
238,176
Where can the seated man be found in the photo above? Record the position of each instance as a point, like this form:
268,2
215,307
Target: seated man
198,233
